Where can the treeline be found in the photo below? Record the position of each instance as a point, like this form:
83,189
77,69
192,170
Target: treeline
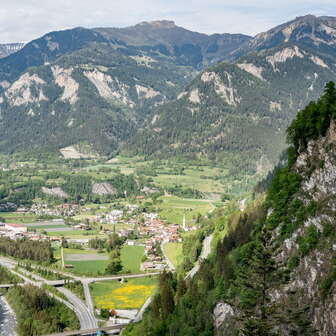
40,251
312,122
185,192
6,277
78,187
39,314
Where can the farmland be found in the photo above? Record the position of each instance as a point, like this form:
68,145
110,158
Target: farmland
129,295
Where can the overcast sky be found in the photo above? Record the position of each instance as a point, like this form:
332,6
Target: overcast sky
24,20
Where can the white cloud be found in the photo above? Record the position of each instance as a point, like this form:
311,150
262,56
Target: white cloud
27,19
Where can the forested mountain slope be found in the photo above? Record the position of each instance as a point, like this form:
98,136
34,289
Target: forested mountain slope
97,95
241,111
7,49
105,86
274,272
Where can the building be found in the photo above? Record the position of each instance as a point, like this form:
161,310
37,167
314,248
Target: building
15,228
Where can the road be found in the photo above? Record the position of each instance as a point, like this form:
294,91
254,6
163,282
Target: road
85,313
86,317
139,316
204,254
88,331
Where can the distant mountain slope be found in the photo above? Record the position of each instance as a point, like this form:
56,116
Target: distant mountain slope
96,95
318,33
189,48
7,49
240,111
45,49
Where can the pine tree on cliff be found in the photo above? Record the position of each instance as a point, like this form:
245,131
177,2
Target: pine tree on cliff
255,279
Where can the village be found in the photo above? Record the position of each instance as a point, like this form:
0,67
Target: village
136,228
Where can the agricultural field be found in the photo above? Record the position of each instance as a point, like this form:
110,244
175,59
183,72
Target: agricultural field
174,208
128,295
18,218
73,234
89,262
131,258
173,251
88,267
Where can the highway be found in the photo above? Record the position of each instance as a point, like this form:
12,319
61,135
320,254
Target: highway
89,331
206,250
85,312
86,317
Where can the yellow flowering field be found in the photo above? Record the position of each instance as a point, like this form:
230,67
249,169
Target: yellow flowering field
129,295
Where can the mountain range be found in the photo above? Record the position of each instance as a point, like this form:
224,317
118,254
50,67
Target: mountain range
159,90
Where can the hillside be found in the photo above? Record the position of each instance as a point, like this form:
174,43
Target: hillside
7,49
187,47
273,273
96,95
240,111
141,86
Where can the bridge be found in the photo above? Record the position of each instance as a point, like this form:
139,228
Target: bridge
89,331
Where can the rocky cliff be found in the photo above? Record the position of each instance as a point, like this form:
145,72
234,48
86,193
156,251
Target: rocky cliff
303,229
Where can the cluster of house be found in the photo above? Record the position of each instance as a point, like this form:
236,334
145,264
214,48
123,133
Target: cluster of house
115,216
18,231
112,217
66,209
158,232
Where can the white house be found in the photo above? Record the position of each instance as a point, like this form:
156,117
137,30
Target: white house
15,228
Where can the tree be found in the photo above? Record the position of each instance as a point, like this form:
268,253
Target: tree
115,265
256,276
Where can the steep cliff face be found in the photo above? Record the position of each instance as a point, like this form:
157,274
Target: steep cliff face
317,166
309,252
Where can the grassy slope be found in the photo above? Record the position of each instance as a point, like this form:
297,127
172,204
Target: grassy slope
174,252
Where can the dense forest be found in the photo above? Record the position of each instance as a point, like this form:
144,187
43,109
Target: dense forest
21,187
244,268
7,277
39,314
40,251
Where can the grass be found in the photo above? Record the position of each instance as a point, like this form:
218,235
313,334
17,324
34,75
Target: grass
173,209
43,227
131,258
75,234
174,252
128,295
13,217
90,267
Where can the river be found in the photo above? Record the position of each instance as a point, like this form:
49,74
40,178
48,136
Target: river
7,320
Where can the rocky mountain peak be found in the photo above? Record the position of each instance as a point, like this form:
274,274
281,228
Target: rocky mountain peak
159,24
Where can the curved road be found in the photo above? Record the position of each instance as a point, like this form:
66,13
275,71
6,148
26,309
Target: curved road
86,317
204,254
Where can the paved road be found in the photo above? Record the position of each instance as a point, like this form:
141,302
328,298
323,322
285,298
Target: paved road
118,277
88,297
86,317
204,254
139,316
89,331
